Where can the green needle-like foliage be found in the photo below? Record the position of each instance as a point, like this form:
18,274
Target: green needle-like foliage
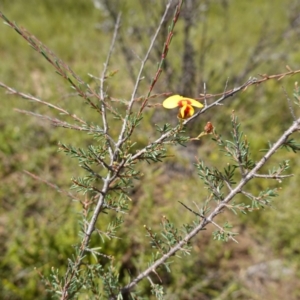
136,225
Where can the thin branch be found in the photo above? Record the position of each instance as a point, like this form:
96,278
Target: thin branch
71,272
263,201
54,121
164,52
228,185
32,98
290,104
166,135
223,97
222,230
238,189
61,67
125,50
101,89
252,81
53,186
122,137
191,210
272,176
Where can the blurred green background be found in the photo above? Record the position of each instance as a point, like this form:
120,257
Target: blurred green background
215,42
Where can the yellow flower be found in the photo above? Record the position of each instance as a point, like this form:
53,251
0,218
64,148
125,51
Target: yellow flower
185,104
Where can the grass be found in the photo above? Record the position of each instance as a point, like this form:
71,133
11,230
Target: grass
38,225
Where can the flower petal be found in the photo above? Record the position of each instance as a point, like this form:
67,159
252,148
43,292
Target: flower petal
186,111
193,102
175,100
172,102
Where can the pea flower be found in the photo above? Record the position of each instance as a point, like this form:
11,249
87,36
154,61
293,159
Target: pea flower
185,105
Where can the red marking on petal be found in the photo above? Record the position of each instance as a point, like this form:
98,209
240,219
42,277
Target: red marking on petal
186,111
182,103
